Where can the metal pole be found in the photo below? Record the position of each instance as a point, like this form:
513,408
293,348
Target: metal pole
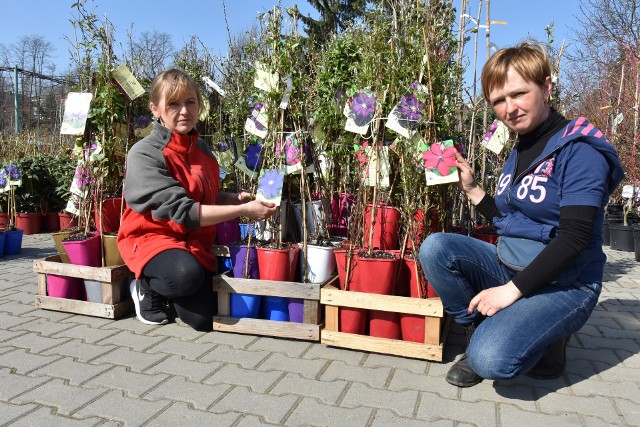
16,103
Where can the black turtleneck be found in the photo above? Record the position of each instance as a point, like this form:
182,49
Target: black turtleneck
576,222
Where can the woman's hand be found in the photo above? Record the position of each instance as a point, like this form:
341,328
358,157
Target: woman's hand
492,300
258,209
467,180
245,196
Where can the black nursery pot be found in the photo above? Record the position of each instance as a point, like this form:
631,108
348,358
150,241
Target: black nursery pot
621,237
636,239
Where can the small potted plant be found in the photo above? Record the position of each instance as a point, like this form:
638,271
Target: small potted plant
10,178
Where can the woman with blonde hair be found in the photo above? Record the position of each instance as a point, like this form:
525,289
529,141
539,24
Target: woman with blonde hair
173,205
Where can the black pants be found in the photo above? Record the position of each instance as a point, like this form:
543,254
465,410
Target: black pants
178,276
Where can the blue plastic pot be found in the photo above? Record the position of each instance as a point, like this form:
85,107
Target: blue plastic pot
243,305
276,308
13,242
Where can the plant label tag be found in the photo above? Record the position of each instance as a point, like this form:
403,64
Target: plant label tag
264,79
360,111
377,172
211,85
288,81
439,163
496,137
270,186
127,81
76,108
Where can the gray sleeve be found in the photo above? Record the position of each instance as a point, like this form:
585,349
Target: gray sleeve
150,187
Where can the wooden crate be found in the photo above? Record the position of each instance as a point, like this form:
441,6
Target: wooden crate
116,299
310,292
436,324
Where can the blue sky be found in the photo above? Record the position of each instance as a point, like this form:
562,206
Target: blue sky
181,19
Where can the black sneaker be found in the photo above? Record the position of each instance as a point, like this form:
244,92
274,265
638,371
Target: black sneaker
149,305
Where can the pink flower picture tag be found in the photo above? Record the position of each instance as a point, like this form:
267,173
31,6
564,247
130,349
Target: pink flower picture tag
439,162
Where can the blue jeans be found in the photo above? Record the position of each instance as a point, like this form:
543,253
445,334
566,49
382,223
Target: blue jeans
514,339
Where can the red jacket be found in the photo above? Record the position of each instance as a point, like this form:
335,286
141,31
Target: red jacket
168,177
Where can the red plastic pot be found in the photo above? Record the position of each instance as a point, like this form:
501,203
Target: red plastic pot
378,275
384,324
417,235
278,264
353,320
67,220
111,209
412,325
485,234
4,220
31,223
50,222
341,205
341,265
385,229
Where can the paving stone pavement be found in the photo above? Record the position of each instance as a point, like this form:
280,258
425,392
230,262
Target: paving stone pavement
58,368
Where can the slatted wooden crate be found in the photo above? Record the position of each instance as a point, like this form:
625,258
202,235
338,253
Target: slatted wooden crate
436,324
225,285
116,299
310,292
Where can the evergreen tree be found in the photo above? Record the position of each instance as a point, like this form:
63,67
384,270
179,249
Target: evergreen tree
335,16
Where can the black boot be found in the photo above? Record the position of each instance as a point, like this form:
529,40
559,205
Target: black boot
461,374
552,363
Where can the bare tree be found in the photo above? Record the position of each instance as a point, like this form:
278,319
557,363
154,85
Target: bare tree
149,53
605,77
32,55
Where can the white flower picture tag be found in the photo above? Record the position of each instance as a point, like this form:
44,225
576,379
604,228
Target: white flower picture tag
496,137
264,79
76,108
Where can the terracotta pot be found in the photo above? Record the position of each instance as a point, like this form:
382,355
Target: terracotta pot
385,229
412,326
111,209
417,234
379,276
67,220
31,223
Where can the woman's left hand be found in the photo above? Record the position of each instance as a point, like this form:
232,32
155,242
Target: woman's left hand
492,300
245,196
